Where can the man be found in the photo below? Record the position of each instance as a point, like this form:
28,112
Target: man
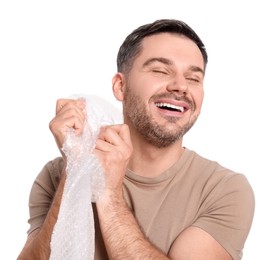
161,200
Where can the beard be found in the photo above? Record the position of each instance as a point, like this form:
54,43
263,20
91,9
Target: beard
154,133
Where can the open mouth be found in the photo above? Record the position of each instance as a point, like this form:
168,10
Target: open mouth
171,107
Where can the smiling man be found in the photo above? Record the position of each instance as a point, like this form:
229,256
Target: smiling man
170,80
161,199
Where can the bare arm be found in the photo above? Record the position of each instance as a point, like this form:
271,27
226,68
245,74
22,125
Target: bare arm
121,233
125,240
37,245
69,114
196,244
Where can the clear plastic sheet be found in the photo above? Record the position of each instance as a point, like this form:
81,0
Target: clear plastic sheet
73,234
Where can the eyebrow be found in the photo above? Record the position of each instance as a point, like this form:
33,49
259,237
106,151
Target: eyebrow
197,69
161,60
169,62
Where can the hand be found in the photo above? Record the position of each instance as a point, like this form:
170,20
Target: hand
113,149
69,115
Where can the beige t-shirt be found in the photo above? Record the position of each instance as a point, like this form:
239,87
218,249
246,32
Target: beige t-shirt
193,192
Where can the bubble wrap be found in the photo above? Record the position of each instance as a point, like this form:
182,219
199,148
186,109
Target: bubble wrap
73,235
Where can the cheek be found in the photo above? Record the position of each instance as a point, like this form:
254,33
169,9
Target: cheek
198,98
142,88
146,83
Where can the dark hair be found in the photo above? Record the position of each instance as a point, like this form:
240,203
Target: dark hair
131,46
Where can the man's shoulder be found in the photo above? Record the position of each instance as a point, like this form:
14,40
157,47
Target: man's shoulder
51,172
212,170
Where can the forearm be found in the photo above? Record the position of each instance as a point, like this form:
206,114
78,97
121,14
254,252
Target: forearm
122,235
38,242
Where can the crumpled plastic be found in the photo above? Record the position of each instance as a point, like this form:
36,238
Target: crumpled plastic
73,237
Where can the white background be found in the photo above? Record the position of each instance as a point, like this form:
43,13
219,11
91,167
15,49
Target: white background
52,49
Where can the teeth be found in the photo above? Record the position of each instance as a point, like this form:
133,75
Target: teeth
181,109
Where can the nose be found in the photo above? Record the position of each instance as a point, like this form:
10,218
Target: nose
178,85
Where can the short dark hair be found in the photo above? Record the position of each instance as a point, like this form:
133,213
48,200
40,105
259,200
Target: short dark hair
131,46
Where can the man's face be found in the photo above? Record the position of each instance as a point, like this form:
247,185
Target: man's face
164,89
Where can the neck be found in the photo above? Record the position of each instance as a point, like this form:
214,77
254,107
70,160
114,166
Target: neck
149,161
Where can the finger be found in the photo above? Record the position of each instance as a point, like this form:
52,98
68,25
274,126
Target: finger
124,132
61,103
67,108
69,103
110,135
60,128
76,123
66,113
115,134
67,118
103,146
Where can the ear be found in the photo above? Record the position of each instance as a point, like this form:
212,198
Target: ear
118,82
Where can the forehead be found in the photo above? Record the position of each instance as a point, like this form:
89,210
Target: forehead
175,47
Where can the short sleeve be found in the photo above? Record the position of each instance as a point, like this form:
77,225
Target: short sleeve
229,213
42,192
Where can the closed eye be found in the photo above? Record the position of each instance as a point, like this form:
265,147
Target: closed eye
194,79
160,71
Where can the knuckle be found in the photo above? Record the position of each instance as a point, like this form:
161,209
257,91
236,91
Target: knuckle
118,156
108,130
125,127
114,158
52,124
